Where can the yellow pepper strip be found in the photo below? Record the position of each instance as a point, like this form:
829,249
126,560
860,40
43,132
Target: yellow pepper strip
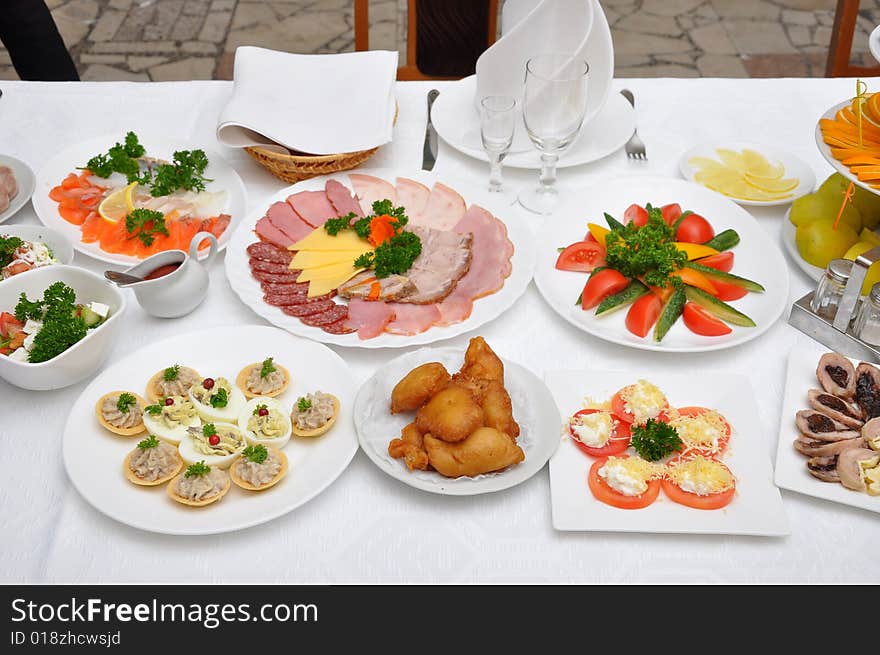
696,279
695,250
599,233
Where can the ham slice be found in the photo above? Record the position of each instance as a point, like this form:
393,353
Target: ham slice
369,189
313,207
368,318
268,232
282,217
341,199
412,319
412,196
444,209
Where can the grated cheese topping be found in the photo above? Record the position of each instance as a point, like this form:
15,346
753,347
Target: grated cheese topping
643,400
593,430
701,475
702,431
630,475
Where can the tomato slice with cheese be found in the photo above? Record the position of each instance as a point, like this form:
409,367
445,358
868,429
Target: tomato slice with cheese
702,430
612,479
638,402
699,482
601,434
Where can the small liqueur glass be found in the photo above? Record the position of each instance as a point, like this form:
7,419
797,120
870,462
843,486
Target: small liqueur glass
497,122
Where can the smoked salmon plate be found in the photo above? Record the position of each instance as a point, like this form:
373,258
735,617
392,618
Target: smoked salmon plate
126,199
379,259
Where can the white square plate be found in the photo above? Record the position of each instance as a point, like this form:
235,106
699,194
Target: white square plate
791,466
755,510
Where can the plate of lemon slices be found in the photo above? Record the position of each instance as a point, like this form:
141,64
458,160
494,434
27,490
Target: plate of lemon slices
747,173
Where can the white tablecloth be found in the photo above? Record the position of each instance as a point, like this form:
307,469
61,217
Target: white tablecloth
367,527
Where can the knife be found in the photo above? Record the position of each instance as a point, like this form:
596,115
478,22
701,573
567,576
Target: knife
429,150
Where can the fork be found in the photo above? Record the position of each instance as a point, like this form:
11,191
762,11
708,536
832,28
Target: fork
635,147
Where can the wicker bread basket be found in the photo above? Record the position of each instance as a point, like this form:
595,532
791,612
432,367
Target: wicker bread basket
293,168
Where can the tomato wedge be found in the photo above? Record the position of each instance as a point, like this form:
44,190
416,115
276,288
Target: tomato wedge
701,322
602,285
635,214
582,256
728,291
671,212
603,492
9,325
723,440
693,228
618,408
690,499
618,442
643,313
723,261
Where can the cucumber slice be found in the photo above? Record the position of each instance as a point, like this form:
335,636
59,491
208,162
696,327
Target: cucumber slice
723,240
671,311
619,300
613,223
714,273
90,317
717,307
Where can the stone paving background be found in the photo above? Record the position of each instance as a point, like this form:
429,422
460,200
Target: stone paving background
162,40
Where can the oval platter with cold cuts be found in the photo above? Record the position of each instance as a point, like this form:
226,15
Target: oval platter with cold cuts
475,260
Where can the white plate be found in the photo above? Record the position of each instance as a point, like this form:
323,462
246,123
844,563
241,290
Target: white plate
455,118
533,409
56,242
789,232
825,149
93,457
485,309
791,466
756,258
755,510
24,177
223,177
794,167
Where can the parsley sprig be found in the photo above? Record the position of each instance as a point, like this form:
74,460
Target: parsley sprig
145,224
220,399
256,454
62,324
267,367
8,246
655,440
258,408
171,373
153,410
199,468
125,401
149,442
121,158
209,430
303,404
646,252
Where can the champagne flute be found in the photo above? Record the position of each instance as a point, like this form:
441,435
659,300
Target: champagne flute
497,121
554,105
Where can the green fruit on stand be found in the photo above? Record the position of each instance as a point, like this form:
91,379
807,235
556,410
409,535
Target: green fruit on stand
818,242
869,236
873,275
823,206
834,187
868,205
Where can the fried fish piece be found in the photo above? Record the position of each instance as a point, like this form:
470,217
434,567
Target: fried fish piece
418,386
451,415
410,446
481,362
484,451
498,409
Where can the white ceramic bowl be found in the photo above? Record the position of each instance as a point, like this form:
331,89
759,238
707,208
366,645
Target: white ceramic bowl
83,358
59,245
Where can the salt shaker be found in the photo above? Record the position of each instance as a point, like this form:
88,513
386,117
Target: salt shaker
830,290
867,324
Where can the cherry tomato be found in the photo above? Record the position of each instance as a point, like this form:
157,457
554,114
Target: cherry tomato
693,228
635,214
699,321
618,408
603,492
723,440
582,256
723,261
728,291
671,213
619,441
709,501
601,285
643,313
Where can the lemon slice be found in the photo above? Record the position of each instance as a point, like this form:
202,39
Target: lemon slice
118,204
745,175
772,185
758,166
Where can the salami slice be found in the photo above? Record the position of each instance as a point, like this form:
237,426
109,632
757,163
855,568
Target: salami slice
284,286
339,327
289,277
332,315
268,267
283,300
308,308
269,252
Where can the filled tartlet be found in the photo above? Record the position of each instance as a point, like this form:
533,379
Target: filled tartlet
258,468
169,419
151,463
314,414
265,421
216,399
199,485
121,412
217,444
264,378
175,380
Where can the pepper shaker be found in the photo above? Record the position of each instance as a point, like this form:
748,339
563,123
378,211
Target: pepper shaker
828,294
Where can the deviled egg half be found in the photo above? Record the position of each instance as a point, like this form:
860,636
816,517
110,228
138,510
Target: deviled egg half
215,444
217,400
170,419
266,421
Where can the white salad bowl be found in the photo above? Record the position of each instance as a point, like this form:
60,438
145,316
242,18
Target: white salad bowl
60,246
84,357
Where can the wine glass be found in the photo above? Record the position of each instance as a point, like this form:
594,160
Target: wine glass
497,121
554,105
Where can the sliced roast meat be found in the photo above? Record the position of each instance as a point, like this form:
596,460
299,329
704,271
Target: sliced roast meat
817,448
849,467
271,234
341,199
269,253
312,206
824,468
837,375
282,216
871,433
363,284
369,189
443,211
368,318
412,196
867,392
816,425
836,408
412,319
7,182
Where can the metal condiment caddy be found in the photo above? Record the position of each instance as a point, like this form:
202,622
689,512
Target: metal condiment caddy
836,333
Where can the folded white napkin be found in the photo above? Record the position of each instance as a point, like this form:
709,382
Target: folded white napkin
317,104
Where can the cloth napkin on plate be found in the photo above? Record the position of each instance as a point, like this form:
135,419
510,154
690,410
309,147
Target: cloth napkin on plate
316,104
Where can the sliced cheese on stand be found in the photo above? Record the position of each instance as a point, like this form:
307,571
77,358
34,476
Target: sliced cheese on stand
320,285
306,259
318,239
